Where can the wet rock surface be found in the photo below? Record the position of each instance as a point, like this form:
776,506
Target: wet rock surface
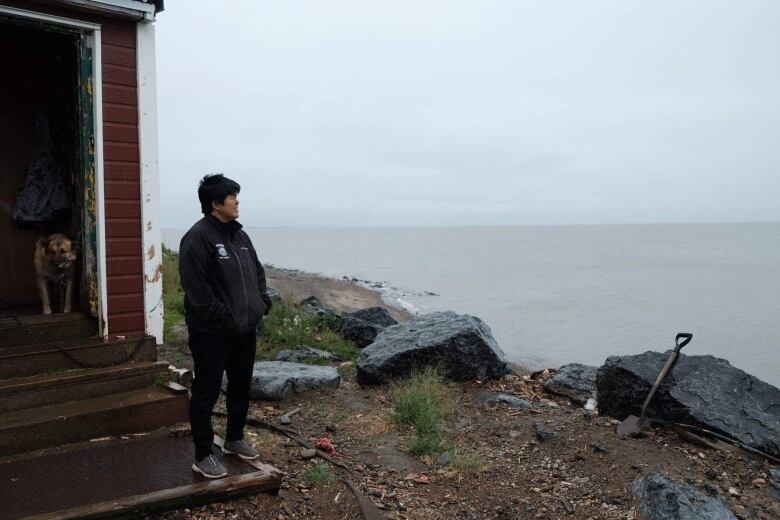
277,380
312,305
661,498
273,294
701,390
462,346
305,353
575,381
364,325
512,401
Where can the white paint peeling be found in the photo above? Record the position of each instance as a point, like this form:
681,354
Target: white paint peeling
150,179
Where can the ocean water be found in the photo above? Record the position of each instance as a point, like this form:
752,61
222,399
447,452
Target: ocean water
561,294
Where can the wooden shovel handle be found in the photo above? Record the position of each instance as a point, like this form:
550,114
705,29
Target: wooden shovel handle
686,337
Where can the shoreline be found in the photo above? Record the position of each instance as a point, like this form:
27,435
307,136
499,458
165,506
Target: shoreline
345,295
341,295
508,449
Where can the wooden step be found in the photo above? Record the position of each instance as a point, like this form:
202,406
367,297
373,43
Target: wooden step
129,412
42,390
42,358
35,328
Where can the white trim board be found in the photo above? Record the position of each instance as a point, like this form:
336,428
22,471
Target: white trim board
150,181
59,20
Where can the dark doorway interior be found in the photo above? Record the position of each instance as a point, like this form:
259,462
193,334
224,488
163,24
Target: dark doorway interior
39,117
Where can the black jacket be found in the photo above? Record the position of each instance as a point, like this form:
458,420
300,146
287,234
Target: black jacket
223,281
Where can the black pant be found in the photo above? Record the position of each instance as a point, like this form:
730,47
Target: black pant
214,355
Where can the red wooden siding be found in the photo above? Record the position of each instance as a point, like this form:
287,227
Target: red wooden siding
121,166
122,174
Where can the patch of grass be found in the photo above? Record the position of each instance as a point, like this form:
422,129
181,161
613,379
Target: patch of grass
318,475
288,326
428,444
467,462
423,401
173,294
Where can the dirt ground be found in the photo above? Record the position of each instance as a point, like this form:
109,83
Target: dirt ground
502,470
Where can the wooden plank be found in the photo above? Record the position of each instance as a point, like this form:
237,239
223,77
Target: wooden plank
125,284
116,113
123,265
120,94
129,323
175,498
119,208
27,329
118,189
119,75
122,170
120,132
119,34
122,227
118,55
32,359
125,246
52,425
125,302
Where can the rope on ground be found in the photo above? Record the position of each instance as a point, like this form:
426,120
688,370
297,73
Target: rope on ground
292,434
367,508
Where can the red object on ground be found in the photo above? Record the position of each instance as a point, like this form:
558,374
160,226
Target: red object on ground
324,444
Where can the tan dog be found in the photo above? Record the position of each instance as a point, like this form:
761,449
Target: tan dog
55,257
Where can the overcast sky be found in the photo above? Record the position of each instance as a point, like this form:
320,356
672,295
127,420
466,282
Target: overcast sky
450,112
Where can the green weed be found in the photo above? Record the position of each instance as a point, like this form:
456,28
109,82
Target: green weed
318,475
288,326
423,401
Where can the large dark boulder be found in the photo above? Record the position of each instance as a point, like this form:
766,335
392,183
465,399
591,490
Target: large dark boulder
461,346
661,498
704,391
575,381
364,325
376,315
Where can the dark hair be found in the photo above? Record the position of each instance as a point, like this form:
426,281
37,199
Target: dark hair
215,187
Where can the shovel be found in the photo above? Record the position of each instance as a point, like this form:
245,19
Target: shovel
632,425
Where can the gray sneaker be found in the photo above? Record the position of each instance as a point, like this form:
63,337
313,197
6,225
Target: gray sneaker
209,467
240,448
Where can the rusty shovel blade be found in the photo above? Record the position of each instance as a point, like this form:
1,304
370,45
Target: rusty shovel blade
632,425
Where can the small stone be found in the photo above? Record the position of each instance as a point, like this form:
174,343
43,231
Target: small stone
759,482
542,433
733,492
444,459
599,446
285,420
308,453
712,474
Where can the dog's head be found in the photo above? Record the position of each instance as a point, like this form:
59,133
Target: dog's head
59,250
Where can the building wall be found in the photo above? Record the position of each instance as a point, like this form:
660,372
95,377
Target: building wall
121,167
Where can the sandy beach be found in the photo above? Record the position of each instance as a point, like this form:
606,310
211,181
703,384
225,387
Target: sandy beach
339,295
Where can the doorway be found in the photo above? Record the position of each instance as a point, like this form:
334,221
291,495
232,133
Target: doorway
46,154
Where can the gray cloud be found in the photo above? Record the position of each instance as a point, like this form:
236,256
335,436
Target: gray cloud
462,112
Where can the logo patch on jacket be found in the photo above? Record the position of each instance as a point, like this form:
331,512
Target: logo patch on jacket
221,251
